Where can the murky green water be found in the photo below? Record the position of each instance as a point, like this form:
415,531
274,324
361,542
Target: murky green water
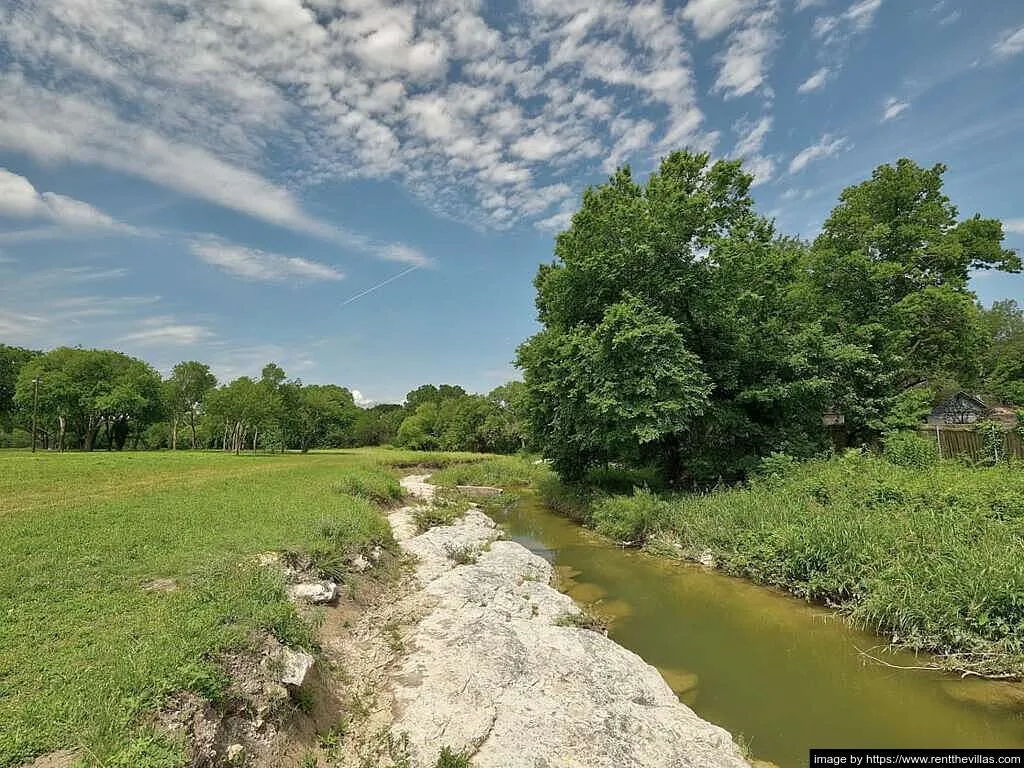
783,675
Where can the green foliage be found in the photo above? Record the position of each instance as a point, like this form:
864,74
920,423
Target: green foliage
147,751
84,391
631,519
446,506
906,449
447,418
777,466
375,485
931,555
12,360
994,437
451,759
499,472
680,331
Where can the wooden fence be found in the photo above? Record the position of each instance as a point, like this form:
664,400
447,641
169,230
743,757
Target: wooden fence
961,442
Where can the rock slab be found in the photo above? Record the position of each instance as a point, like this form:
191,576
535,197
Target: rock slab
496,668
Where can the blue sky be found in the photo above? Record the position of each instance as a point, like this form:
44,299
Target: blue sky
228,180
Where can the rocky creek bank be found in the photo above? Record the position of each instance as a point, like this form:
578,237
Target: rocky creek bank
498,666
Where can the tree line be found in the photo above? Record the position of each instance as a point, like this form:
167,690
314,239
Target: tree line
682,332
87,399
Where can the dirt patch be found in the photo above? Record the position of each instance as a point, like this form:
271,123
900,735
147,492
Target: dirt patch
63,759
339,718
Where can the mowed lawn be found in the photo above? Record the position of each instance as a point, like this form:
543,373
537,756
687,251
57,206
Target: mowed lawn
85,649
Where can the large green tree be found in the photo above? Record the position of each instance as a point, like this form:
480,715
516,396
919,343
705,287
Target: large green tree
12,360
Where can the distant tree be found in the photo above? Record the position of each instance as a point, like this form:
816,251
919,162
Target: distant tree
378,425
83,391
185,390
1003,376
12,360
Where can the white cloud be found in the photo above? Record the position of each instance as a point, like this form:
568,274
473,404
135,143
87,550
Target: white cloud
815,82
19,199
254,264
712,17
862,14
169,335
826,146
803,5
856,19
744,62
361,400
893,108
1014,225
750,145
246,108
1009,45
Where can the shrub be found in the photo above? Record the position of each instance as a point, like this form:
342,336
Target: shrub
377,486
622,480
777,466
630,518
905,449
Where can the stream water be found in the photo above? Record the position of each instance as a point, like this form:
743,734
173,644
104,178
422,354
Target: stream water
779,674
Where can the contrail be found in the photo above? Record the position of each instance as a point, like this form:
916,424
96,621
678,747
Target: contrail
379,285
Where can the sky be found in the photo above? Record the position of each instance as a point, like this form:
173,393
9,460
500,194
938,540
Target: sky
362,190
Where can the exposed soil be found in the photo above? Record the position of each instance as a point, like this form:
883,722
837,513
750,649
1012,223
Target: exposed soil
340,718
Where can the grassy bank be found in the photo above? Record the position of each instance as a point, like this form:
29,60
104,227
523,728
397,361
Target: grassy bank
932,557
86,649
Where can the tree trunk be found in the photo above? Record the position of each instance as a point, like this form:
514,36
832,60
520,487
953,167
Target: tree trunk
60,438
174,433
192,423
255,437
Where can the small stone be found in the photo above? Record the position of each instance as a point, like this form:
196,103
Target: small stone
360,564
376,554
295,666
317,592
707,559
236,754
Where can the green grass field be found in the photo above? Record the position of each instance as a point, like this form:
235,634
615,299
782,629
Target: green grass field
85,649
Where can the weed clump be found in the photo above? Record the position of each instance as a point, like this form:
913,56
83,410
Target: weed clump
450,759
630,519
374,485
446,507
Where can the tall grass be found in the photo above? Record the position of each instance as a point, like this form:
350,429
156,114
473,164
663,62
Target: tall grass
933,555
496,471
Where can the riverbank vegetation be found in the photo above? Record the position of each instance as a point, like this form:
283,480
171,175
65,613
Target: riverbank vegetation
124,576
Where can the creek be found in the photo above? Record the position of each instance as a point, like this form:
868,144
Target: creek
781,675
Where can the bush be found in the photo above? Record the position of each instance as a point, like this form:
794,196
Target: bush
377,486
630,519
777,466
358,528
622,480
905,449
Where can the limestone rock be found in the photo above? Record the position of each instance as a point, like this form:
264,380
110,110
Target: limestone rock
493,669
317,592
236,754
291,667
707,559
